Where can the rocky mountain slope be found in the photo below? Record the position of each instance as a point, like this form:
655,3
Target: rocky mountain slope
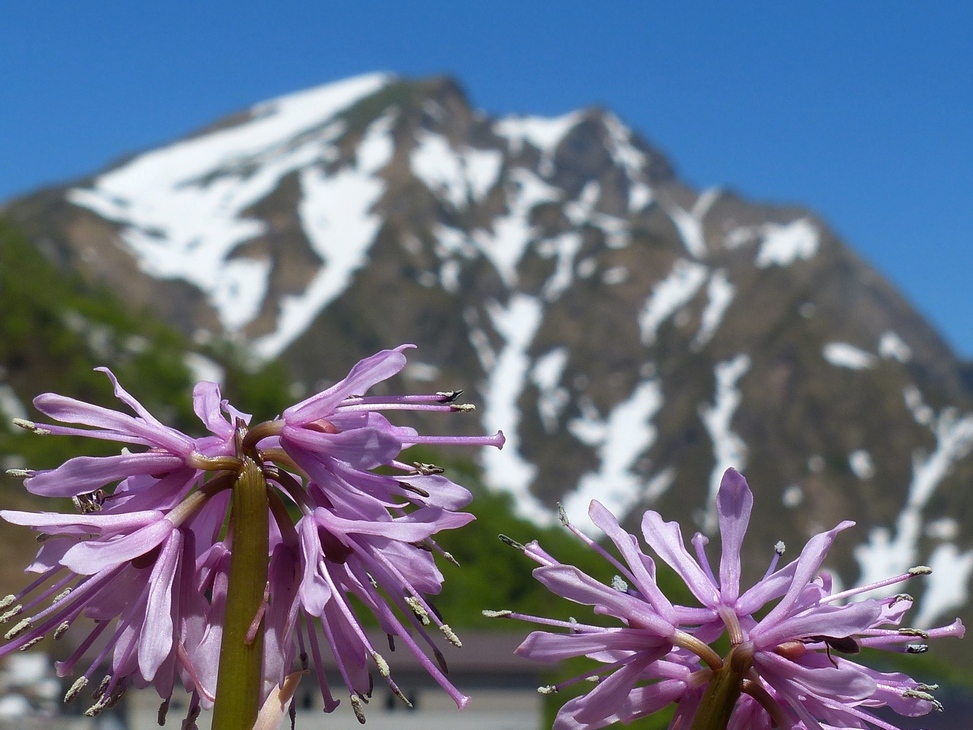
630,335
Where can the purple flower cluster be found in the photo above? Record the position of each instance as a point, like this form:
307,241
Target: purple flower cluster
791,637
147,558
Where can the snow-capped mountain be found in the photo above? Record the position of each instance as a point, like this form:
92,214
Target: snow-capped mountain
631,336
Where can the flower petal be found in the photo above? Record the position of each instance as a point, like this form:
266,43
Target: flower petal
808,564
84,474
363,375
666,539
734,502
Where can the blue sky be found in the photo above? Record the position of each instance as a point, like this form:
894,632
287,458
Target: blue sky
861,111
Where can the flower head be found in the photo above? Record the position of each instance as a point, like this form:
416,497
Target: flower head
148,558
792,638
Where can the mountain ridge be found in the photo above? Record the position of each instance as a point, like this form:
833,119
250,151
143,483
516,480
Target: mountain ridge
632,336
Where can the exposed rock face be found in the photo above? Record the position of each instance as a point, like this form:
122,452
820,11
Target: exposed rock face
633,337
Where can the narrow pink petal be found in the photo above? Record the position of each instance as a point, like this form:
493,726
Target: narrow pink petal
84,474
847,683
634,558
834,621
808,564
734,503
569,582
543,646
91,557
413,527
155,643
363,448
100,522
364,375
605,698
207,404
315,590
666,539
761,593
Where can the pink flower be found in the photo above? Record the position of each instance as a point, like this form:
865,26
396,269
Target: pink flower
792,667
148,558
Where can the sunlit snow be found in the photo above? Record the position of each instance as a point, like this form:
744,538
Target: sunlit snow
782,245
551,397
720,293
861,464
669,295
946,588
625,435
890,345
506,468
505,245
884,555
181,207
11,406
542,132
690,230
203,369
336,213
565,247
454,174
845,355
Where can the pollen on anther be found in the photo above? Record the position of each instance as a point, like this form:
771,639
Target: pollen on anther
15,611
451,636
356,705
418,609
619,584
32,643
18,629
383,666
75,689
496,614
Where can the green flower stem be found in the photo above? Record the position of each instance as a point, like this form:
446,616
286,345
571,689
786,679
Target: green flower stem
239,680
723,690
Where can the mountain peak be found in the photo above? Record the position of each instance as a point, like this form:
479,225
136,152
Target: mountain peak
631,335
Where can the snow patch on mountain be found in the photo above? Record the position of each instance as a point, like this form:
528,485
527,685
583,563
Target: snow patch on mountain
782,245
204,369
640,196
454,174
544,133
846,355
506,468
621,439
891,346
719,292
565,247
946,588
336,214
181,207
728,448
552,397
884,555
11,406
511,234
669,295
690,230
860,462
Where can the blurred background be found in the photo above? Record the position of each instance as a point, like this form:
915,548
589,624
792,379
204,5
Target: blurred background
649,242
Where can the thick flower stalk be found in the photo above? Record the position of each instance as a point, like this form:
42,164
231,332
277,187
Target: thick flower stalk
150,557
792,639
